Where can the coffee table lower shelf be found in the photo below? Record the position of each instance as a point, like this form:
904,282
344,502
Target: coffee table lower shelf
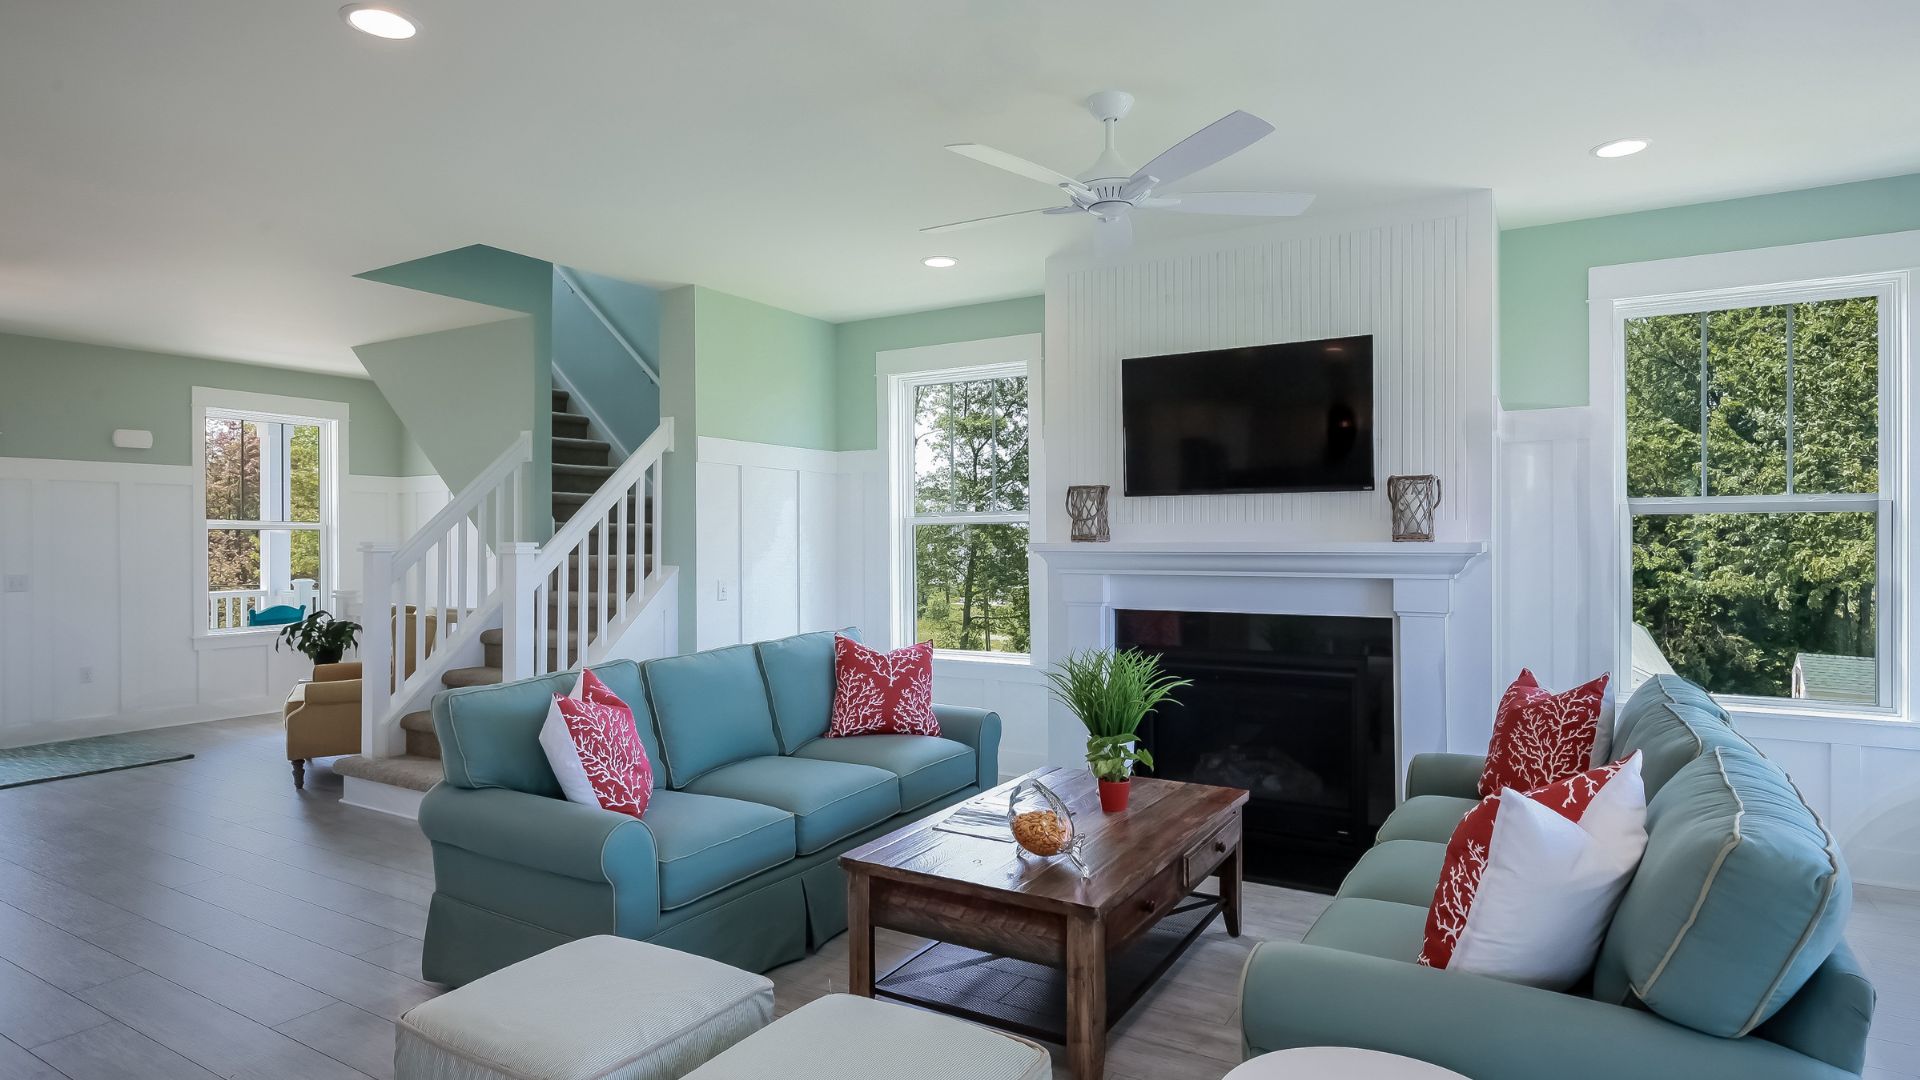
1031,999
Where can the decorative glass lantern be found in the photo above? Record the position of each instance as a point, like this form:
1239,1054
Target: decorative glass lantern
1042,825
1087,511
1413,499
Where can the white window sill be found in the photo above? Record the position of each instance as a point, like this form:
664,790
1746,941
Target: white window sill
235,639
1001,658
1748,710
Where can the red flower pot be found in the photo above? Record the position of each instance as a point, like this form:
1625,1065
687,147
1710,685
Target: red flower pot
1113,795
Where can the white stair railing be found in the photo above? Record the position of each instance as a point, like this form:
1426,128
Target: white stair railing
428,599
569,600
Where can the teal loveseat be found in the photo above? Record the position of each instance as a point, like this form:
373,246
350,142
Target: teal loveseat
1724,959
737,855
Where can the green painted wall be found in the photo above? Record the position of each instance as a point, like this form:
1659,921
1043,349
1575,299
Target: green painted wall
1543,269
466,393
761,373
856,343
62,399
592,359
677,389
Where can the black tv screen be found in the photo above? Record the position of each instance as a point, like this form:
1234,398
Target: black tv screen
1296,416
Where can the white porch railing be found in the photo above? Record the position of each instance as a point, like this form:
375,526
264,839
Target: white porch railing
570,600
447,581
227,609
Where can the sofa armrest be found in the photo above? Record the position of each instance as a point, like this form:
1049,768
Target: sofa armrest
1307,995
328,672
1457,775
334,692
552,836
978,728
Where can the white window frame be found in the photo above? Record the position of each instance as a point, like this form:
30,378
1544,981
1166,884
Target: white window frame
992,358
331,417
1880,266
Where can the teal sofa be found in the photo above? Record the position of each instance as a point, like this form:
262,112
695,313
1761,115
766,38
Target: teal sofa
1724,958
737,855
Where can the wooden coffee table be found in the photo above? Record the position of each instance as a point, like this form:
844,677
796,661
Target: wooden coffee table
1013,933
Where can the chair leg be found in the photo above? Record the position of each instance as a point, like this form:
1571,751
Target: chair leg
299,773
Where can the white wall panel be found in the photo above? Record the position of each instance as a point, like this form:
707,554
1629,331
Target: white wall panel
769,552
817,544
98,635
717,539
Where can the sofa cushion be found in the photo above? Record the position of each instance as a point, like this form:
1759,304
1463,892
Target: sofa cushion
799,674
705,844
623,678
1657,691
1540,736
1403,871
711,709
928,766
1380,928
829,800
1669,735
490,735
1741,895
1425,817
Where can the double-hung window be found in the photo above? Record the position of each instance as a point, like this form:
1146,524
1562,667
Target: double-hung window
1759,457
266,530
961,466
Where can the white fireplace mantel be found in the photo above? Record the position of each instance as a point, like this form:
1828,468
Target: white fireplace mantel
1414,584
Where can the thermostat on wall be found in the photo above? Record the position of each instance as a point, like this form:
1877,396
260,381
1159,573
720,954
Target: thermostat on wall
133,439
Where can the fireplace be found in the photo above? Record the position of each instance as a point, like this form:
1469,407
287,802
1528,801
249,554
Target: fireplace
1298,710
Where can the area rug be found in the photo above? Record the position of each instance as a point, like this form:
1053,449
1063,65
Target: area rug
42,762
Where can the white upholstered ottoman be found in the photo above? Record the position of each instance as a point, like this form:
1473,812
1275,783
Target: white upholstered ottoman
600,1008
841,1037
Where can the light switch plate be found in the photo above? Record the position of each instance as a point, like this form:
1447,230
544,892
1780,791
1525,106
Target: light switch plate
16,583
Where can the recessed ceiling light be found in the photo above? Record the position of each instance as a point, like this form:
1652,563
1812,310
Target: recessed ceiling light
940,262
1620,148
381,22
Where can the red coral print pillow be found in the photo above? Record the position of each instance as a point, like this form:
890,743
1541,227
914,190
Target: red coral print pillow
595,750
1472,842
1540,736
882,693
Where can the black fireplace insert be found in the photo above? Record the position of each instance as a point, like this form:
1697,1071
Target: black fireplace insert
1298,710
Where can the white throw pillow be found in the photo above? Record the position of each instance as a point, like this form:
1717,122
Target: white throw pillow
1551,885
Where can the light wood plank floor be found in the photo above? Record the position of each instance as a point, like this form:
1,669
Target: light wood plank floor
203,919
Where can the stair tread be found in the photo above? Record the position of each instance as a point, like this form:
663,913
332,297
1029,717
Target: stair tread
418,721
584,470
492,637
409,771
568,442
471,676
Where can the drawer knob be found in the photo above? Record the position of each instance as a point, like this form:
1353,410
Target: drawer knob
1149,905
1219,846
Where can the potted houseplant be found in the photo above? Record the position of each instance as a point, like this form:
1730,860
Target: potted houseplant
1111,692
321,636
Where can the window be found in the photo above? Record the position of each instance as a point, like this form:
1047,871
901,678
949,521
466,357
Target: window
962,469
1757,492
266,483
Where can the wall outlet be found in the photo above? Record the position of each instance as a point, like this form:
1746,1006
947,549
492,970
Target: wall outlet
86,674
720,589
16,583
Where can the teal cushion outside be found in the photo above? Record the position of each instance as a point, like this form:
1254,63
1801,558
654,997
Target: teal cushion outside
799,676
830,800
1403,871
1425,817
490,735
1670,735
1655,692
928,767
1741,895
1375,927
705,844
710,709
280,615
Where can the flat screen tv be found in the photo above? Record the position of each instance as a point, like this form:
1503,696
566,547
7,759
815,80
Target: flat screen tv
1295,416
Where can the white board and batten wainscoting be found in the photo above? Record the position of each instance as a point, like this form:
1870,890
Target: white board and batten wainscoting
97,605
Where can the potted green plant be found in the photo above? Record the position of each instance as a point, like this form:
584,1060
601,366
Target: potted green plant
1111,692
321,636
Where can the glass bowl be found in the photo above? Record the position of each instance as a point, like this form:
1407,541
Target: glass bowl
1042,825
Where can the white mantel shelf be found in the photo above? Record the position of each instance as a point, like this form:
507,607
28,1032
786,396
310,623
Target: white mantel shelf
1336,559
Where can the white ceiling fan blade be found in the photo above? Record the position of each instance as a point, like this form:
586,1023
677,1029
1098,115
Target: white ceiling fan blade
971,222
1019,166
1221,139
1112,236
1252,203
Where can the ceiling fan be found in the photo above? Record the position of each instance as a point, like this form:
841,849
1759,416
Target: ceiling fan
1111,192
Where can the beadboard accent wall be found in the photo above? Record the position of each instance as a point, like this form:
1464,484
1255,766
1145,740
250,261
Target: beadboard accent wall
1419,279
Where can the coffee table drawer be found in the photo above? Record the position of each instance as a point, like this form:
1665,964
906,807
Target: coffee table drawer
1202,858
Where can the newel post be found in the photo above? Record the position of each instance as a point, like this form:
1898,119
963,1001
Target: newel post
517,581
376,646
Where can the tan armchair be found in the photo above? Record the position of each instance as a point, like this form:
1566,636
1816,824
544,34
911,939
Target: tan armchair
322,717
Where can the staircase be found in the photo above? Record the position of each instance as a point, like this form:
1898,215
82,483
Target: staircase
596,574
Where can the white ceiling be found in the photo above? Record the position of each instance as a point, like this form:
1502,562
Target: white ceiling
204,176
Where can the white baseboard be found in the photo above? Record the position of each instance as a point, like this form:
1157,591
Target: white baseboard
383,798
